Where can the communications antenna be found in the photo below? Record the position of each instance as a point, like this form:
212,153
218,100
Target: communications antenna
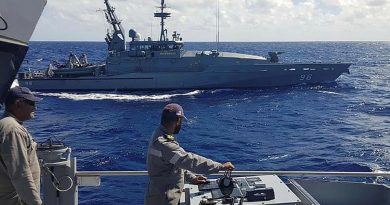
217,25
163,15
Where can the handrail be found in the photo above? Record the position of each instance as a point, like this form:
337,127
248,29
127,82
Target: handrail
244,173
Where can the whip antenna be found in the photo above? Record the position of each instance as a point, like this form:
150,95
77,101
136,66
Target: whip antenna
217,25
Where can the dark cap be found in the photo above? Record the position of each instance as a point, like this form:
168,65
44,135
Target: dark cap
22,92
173,107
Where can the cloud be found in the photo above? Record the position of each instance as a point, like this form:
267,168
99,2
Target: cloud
240,20
378,3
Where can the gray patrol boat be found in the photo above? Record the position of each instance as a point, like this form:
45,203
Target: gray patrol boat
164,64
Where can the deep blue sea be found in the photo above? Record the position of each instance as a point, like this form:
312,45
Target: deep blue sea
343,126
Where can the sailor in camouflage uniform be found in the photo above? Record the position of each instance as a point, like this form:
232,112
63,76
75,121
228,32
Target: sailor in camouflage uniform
168,163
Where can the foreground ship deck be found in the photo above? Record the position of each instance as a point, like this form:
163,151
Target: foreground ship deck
164,64
61,180
270,189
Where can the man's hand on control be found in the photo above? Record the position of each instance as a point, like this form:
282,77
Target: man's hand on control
227,166
199,180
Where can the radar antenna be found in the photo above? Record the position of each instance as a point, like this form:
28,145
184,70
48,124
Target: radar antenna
116,40
163,15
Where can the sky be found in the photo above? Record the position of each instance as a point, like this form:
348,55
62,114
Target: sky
240,20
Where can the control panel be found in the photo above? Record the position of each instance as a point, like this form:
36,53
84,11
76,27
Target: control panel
253,190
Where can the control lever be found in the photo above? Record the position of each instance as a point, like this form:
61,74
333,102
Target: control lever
226,184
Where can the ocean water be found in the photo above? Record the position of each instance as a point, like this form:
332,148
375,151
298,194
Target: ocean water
342,126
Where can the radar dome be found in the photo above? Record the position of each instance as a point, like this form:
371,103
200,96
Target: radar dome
134,35
138,37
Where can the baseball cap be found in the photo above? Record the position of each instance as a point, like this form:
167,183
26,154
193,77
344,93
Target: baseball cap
176,108
22,92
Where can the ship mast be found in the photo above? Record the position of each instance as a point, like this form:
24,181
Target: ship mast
116,40
163,15
217,25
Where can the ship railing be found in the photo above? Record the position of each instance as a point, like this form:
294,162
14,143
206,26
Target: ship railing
92,178
245,173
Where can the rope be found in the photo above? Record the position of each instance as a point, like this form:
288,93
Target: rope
56,182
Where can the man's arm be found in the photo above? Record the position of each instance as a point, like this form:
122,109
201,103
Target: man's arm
176,155
189,176
14,154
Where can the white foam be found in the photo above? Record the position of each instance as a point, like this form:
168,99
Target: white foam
220,90
117,96
328,92
273,158
15,83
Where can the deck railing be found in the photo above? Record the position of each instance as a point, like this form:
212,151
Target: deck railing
244,173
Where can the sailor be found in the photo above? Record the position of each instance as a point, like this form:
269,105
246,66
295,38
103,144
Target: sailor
168,163
19,167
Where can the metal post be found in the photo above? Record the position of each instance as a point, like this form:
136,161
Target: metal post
70,196
58,174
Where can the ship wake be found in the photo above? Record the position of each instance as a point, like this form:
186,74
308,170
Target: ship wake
119,96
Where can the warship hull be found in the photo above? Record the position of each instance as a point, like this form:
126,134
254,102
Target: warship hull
245,76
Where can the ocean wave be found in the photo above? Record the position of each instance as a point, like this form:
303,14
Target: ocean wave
329,92
118,96
273,158
221,90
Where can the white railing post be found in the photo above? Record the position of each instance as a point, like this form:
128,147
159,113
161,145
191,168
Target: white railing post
59,184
